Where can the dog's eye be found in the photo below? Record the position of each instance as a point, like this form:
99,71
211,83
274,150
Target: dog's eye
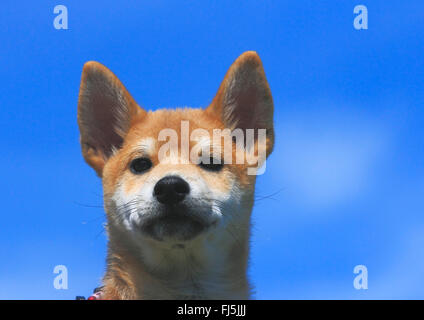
211,164
140,165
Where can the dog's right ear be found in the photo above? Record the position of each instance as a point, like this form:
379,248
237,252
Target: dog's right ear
105,112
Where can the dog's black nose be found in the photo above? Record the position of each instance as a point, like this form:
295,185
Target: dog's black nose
171,190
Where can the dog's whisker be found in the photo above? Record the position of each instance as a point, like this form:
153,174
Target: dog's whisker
270,196
88,205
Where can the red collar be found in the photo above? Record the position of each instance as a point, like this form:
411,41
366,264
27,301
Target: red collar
98,294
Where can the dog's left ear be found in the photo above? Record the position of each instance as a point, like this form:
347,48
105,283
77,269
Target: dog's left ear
105,112
244,98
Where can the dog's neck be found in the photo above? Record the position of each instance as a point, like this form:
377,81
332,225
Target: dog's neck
213,267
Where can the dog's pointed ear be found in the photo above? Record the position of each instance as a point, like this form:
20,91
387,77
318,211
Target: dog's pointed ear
244,98
105,112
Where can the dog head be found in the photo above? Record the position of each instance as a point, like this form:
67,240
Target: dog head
174,176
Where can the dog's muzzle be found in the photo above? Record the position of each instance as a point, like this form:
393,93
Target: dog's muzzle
175,218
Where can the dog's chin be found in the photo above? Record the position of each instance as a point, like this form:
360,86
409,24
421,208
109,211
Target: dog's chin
174,224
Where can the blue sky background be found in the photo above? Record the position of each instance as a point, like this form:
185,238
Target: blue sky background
346,174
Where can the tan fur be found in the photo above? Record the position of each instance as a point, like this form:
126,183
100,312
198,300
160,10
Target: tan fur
214,264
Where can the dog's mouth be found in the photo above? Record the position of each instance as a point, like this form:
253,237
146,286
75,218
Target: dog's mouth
175,223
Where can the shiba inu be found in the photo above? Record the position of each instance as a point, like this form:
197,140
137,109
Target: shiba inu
177,228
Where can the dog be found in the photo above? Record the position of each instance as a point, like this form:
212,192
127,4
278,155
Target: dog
176,229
